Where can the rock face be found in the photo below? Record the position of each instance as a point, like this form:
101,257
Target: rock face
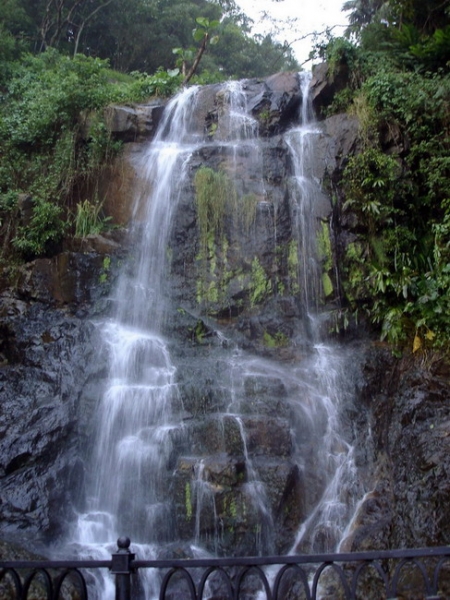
232,295
260,225
408,410
325,84
133,123
49,358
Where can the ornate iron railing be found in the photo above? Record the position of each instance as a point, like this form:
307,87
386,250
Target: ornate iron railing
416,574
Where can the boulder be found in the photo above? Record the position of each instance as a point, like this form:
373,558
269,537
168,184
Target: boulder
49,359
133,123
325,84
67,278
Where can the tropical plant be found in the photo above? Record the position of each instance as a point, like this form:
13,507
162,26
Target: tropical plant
203,34
47,149
88,218
397,269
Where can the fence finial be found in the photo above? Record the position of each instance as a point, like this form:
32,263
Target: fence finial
122,568
123,544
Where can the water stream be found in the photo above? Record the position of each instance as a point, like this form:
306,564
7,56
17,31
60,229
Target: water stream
128,491
138,427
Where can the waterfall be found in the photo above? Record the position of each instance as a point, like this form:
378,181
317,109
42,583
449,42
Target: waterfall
135,423
290,409
323,529
135,416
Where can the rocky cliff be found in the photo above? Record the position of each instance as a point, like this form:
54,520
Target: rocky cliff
53,366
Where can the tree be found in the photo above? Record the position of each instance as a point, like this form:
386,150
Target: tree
202,34
84,19
139,35
66,19
425,15
362,13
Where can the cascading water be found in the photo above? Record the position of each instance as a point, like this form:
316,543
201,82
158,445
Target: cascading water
323,529
135,426
305,194
140,417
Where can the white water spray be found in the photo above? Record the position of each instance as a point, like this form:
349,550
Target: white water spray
137,430
135,421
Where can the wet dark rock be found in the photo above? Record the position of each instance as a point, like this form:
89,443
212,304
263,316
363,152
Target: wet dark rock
265,396
285,488
133,123
271,232
64,279
221,492
406,407
326,84
40,433
277,105
342,141
98,244
50,357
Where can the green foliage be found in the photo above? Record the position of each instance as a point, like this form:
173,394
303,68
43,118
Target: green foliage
246,211
139,35
88,219
324,249
415,34
105,270
46,228
293,263
7,54
162,83
199,332
218,203
213,191
433,51
342,102
53,138
279,340
325,254
214,194
327,285
340,51
202,33
40,140
48,91
204,28
362,13
398,270
188,500
261,285
370,185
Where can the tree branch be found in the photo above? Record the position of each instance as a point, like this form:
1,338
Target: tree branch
200,52
83,23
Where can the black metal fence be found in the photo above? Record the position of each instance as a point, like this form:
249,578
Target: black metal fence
418,574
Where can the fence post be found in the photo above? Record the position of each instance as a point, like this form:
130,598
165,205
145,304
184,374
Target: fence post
121,568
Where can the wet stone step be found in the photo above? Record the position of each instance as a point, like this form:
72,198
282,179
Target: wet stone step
225,500
264,396
238,435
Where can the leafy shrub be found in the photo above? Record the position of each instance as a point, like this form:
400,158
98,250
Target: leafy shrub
88,219
162,83
43,142
401,273
46,228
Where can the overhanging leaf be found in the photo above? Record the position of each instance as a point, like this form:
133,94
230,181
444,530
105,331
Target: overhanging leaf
198,34
417,343
203,21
